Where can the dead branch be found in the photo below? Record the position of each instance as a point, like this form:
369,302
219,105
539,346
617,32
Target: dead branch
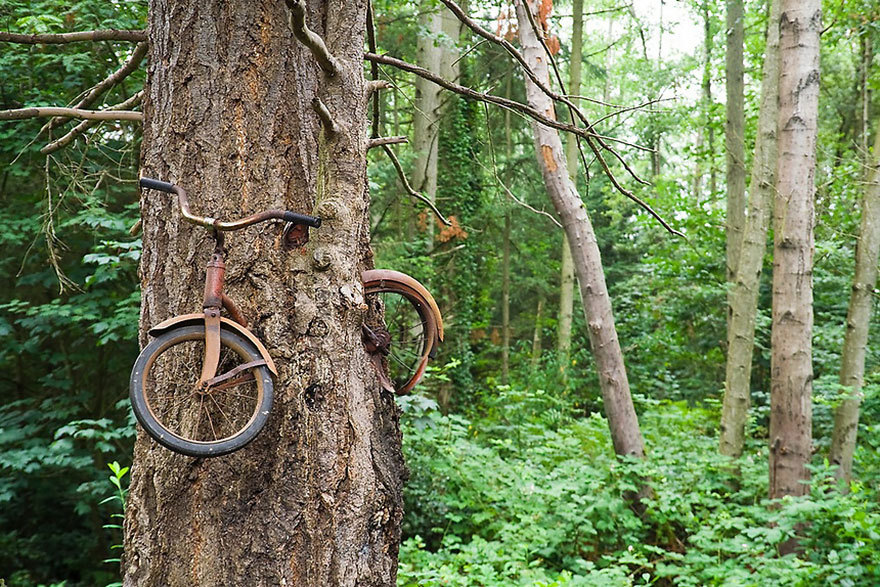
409,189
376,85
309,38
381,141
42,111
111,80
61,38
87,124
324,114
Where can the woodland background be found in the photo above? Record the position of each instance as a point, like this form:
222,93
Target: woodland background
512,479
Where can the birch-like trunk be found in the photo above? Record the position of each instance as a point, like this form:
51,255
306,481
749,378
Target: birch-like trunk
852,360
744,290
566,286
622,419
734,140
800,25
426,114
316,498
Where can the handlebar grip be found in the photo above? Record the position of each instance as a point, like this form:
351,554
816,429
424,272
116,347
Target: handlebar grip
155,184
312,221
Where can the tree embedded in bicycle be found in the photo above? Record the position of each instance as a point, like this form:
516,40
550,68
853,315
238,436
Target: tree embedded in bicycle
225,402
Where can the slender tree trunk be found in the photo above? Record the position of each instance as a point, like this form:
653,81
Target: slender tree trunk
708,47
734,130
800,24
566,287
505,302
316,498
426,114
536,337
505,268
744,290
622,419
852,360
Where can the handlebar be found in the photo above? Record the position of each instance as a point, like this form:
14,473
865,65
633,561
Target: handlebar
208,222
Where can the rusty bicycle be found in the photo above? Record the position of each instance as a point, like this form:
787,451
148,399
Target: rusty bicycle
204,385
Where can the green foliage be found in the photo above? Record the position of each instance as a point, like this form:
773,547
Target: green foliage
530,495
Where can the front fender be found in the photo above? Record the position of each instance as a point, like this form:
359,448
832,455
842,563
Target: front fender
188,319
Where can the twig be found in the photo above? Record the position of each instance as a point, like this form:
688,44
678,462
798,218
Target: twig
58,39
87,124
381,141
410,190
114,78
509,193
311,39
326,118
22,113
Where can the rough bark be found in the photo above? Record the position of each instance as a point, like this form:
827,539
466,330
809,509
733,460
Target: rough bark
744,289
734,142
800,24
566,286
621,414
852,360
316,498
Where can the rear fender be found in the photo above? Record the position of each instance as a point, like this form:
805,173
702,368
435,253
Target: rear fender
391,276
189,319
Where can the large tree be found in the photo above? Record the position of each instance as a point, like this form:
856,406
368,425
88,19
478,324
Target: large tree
230,114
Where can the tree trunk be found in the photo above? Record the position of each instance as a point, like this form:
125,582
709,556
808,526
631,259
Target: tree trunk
426,114
800,24
536,337
316,498
566,287
505,302
744,290
734,140
622,419
852,360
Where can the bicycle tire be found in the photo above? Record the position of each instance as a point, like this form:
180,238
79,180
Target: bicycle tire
177,424
409,351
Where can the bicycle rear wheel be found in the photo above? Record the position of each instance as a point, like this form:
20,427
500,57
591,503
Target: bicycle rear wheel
196,420
411,326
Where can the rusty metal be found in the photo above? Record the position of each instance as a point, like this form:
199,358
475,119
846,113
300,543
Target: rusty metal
390,280
377,341
210,383
295,235
233,310
199,318
211,360
214,275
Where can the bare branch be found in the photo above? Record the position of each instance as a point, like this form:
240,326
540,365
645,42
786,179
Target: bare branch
309,38
87,124
506,189
475,95
326,118
58,39
381,141
410,190
42,111
111,80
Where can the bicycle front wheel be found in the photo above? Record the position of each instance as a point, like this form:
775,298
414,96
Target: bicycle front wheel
195,420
